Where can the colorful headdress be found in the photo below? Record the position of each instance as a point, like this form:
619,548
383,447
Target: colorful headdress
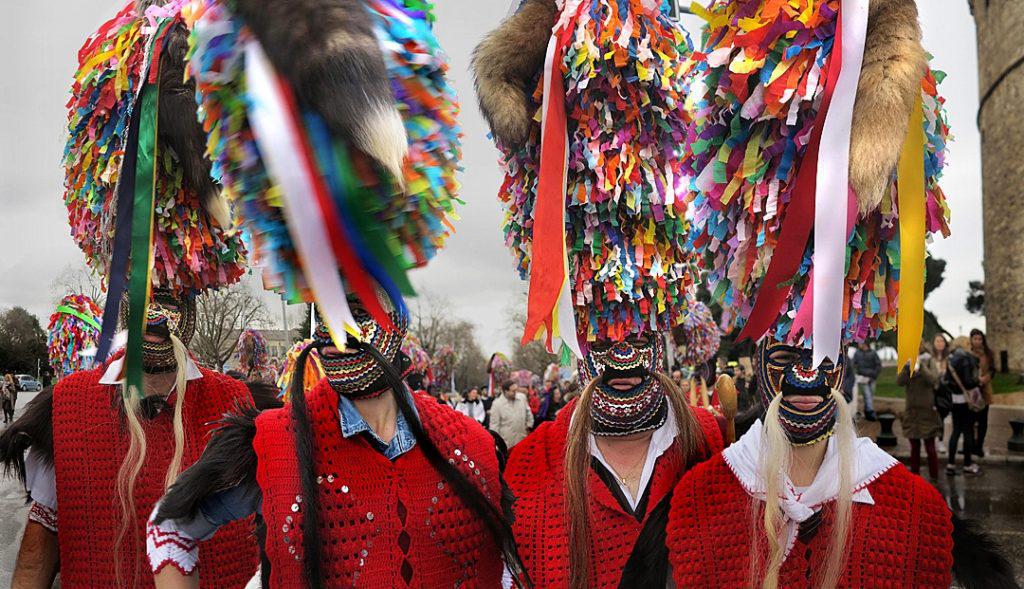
499,367
73,334
698,334
251,353
767,168
345,166
311,375
443,366
419,360
595,223
116,118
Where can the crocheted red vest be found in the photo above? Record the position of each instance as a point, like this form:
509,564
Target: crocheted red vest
382,523
535,475
902,541
90,441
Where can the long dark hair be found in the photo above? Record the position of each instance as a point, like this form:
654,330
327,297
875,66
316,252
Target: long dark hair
985,350
497,523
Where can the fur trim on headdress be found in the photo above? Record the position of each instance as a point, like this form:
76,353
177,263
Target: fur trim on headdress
329,52
506,65
890,80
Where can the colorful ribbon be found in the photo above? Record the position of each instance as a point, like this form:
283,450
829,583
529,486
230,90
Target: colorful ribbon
550,297
911,189
76,313
832,187
796,226
141,235
287,159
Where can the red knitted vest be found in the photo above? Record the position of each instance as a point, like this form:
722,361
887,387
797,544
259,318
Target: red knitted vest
90,441
535,475
902,541
383,523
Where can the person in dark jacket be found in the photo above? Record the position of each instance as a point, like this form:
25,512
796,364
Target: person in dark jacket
961,376
921,422
867,365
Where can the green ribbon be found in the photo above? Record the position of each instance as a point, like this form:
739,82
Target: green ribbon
142,235
74,312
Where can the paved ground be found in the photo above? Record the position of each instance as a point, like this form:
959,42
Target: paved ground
993,498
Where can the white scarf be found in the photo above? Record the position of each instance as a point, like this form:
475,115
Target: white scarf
869,463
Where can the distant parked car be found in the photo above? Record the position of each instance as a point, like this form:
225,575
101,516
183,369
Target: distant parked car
28,384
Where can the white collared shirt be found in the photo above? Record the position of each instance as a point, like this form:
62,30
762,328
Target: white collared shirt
661,441
799,504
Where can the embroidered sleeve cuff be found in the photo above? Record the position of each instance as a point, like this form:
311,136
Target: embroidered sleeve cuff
44,516
166,544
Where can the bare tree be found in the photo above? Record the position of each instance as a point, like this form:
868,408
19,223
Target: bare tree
532,356
434,324
78,279
221,315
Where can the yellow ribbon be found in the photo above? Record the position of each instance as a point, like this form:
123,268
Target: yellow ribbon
910,185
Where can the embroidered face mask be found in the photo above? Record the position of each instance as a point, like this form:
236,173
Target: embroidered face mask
628,398
355,373
807,409
166,314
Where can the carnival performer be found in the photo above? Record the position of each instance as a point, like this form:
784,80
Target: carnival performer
799,500
252,357
108,441
73,335
358,482
596,226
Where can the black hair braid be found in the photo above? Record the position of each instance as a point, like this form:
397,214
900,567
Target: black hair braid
304,449
470,495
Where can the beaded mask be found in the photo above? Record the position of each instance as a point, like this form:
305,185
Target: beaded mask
166,314
624,412
789,371
355,373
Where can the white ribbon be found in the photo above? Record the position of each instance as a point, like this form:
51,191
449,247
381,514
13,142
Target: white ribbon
285,157
832,182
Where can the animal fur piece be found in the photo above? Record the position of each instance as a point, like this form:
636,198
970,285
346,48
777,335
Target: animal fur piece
978,561
327,49
894,65
506,65
180,129
228,461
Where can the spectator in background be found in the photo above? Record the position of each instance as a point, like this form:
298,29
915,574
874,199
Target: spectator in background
8,397
510,413
961,375
550,402
920,420
677,377
473,406
867,365
986,372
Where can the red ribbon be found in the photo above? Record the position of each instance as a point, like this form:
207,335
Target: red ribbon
796,227
547,267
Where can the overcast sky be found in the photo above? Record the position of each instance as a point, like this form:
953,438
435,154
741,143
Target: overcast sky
475,272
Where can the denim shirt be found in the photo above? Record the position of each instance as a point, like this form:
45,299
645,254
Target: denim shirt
235,503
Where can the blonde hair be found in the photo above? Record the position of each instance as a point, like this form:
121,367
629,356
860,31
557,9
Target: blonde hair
690,446
135,458
776,458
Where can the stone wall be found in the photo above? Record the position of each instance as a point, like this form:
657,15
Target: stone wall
1000,25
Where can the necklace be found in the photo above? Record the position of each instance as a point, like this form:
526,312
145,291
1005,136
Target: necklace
624,476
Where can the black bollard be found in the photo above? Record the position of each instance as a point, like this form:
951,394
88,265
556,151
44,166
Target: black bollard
886,439
1016,441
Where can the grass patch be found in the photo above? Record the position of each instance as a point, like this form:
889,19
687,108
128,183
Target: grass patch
887,387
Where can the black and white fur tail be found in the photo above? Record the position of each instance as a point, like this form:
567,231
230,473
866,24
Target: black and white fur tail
978,562
329,52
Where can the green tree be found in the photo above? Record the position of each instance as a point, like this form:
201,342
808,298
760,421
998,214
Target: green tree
976,297
22,342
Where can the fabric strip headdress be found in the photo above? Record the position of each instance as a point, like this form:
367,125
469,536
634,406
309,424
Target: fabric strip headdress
141,203
590,194
815,153
73,334
340,164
